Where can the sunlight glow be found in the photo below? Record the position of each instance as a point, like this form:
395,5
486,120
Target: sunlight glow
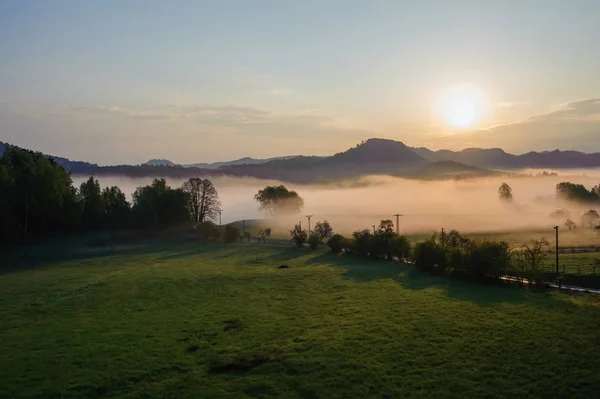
461,106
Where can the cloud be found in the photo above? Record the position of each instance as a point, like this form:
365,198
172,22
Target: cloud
574,125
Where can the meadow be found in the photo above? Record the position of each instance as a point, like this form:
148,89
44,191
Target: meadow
185,319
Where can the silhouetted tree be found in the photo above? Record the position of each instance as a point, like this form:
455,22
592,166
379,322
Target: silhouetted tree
277,200
570,224
264,234
590,218
203,200
505,192
298,235
117,210
323,230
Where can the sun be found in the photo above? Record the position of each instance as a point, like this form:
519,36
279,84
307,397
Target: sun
461,106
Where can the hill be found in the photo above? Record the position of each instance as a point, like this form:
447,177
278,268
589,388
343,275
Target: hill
441,170
373,156
498,158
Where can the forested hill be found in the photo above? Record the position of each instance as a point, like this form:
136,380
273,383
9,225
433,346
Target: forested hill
373,156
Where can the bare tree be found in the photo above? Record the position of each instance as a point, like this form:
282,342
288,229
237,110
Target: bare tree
323,230
204,201
535,253
570,224
265,233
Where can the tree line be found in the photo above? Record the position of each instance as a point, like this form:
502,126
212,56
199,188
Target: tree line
38,199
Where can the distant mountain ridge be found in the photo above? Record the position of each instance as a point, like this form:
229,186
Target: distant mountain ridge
498,158
373,156
216,165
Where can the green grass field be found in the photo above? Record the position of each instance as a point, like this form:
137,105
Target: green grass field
576,263
189,320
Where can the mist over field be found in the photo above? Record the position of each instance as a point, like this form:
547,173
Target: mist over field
467,205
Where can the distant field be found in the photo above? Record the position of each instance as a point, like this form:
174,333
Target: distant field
192,321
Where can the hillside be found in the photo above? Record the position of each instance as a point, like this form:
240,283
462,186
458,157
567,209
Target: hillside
441,170
373,156
498,158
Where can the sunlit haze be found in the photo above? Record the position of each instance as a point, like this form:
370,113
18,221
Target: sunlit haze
116,82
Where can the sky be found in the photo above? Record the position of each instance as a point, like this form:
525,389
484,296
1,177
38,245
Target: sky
123,81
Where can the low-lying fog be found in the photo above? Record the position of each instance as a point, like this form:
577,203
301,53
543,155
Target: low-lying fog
467,205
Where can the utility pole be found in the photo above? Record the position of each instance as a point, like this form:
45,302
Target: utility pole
300,224
443,241
308,217
556,228
398,223
373,229
220,224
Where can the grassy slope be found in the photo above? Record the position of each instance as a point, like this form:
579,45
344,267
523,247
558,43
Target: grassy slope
152,322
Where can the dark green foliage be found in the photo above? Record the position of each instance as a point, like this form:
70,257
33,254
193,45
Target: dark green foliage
361,242
298,235
208,229
577,192
232,234
93,204
477,260
117,210
429,255
159,206
336,243
34,194
314,241
400,248
277,200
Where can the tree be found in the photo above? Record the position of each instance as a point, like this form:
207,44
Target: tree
208,229
535,253
361,242
34,191
116,208
570,225
232,234
277,200
590,218
575,192
323,230
159,206
505,192
336,243
264,234
203,200
596,191
314,241
298,235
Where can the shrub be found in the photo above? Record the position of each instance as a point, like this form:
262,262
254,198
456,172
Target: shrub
487,259
336,243
314,241
232,234
208,229
400,248
429,255
361,243
299,236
